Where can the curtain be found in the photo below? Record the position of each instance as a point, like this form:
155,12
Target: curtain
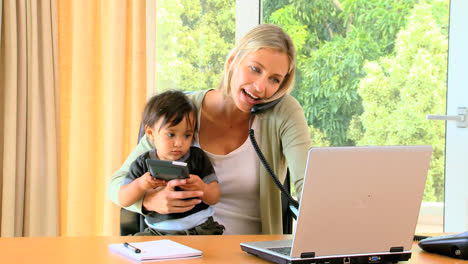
28,119
1,11
102,64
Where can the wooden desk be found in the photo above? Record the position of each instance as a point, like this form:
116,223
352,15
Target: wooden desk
87,250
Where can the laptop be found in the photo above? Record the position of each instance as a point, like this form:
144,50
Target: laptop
359,205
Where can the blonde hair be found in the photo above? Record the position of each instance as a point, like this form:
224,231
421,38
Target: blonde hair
264,36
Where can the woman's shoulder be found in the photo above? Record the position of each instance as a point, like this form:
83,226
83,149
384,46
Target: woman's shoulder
197,96
287,110
290,100
287,105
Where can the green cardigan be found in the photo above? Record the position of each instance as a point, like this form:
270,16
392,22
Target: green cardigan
284,140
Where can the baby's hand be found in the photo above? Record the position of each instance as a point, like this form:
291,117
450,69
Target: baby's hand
147,182
194,183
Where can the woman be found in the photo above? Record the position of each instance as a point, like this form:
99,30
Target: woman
260,68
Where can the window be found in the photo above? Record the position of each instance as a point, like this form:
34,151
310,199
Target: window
368,73
193,38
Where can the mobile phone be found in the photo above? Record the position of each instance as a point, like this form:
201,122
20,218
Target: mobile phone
168,170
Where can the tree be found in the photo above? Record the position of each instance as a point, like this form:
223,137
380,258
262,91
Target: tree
353,65
353,60
401,89
193,39
340,37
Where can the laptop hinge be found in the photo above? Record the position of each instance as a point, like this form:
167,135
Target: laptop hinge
396,249
308,255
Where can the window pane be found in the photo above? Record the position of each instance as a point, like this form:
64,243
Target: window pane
193,38
368,73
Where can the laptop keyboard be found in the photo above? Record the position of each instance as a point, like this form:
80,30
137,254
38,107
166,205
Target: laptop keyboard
282,250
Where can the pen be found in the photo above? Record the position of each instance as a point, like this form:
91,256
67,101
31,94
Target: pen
127,245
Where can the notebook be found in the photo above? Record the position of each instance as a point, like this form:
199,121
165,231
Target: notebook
155,250
359,205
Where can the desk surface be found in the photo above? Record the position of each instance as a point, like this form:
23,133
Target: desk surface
87,250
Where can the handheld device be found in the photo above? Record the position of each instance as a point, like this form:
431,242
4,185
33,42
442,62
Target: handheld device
453,245
168,170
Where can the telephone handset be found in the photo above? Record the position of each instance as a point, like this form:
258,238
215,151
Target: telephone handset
257,109
452,245
260,108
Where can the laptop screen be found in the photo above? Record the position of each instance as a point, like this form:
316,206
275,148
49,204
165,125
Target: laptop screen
360,199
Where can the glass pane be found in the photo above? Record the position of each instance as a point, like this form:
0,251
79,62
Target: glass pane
193,38
368,74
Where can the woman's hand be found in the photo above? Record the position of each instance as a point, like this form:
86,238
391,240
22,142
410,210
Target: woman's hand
211,192
167,200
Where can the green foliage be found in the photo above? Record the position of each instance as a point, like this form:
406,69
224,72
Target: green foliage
368,71
340,37
193,39
299,33
381,19
318,138
362,79
270,6
401,89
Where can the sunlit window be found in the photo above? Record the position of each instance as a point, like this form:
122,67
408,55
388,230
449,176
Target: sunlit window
193,38
368,74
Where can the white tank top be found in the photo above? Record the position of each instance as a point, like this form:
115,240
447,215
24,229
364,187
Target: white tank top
238,208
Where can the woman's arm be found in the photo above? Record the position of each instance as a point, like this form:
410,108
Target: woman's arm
163,200
117,178
211,192
285,131
296,143
167,200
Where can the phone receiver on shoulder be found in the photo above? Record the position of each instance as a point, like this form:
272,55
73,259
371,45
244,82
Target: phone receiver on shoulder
257,109
260,108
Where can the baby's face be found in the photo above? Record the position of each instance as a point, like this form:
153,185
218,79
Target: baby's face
173,142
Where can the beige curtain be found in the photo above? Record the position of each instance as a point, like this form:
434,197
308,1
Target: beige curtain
1,11
102,93
28,119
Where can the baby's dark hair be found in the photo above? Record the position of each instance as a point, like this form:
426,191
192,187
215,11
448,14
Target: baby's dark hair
171,105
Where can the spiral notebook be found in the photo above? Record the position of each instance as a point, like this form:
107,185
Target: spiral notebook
155,250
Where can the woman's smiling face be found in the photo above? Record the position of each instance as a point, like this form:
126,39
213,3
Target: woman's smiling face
257,77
